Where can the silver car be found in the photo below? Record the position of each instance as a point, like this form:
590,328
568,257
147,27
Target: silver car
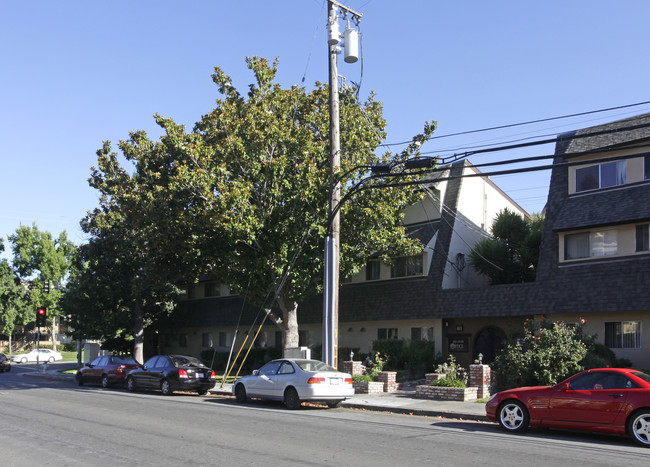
41,355
294,381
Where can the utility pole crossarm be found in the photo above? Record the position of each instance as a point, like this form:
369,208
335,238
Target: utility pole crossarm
349,10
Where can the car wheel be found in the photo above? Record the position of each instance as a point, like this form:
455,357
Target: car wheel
240,394
23,360
291,399
638,426
104,381
166,388
80,379
50,360
130,384
202,392
513,416
334,404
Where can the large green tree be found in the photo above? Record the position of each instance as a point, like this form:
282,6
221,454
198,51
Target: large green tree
511,255
244,195
43,261
11,297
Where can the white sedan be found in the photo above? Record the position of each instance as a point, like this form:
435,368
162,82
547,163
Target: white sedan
294,381
43,355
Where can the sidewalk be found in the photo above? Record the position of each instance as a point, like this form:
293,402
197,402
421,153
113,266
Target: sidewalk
403,402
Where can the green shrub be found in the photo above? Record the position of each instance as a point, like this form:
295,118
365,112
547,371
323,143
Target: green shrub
547,353
361,378
455,375
449,383
412,358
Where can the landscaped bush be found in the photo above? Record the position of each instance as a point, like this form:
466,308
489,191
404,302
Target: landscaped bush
413,358
455,375
547,353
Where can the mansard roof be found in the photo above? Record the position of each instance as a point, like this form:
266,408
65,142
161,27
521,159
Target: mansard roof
607,207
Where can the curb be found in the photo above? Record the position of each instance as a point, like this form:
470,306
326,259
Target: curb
418,412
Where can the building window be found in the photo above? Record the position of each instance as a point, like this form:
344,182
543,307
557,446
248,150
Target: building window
591,244
372,270
224,339
206,339
623,335
190,291
422,334
210,289
303,338
387,333
182,340
646,166
601,176
407,266
642,238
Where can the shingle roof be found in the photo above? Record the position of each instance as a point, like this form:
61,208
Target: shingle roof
608,207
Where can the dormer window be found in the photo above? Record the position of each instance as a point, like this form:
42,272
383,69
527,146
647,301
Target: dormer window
591,244
603,175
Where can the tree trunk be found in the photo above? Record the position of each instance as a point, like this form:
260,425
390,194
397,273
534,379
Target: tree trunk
138,332
290,336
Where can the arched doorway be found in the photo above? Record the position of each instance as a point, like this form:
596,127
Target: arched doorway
489,341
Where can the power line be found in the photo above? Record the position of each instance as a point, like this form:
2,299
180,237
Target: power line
511,125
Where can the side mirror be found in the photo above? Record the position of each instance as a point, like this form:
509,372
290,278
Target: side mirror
564,387
256,372
144,367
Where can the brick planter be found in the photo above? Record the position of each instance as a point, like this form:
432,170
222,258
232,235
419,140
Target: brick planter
368,387
446,394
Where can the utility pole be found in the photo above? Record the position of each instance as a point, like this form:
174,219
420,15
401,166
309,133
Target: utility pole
333,239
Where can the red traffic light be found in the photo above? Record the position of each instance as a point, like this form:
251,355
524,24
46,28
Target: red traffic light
41,316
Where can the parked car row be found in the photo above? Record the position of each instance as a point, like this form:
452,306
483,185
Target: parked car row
167,373
289,380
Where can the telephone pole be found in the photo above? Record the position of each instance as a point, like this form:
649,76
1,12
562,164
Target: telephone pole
333,240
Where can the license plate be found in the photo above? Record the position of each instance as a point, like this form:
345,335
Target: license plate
335,380
200,375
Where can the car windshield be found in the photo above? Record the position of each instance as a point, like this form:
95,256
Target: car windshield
180,361
125,360
641,375
313,365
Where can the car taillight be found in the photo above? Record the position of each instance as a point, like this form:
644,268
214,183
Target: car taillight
120,369
182,374
348,380
213,375
316,380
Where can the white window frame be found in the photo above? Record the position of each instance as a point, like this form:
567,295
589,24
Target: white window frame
628,335
409,265
620,168
600,243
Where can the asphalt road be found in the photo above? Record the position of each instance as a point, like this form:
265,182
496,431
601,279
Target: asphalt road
57,423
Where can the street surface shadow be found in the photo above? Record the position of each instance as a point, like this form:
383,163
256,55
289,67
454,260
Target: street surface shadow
265,404
541,433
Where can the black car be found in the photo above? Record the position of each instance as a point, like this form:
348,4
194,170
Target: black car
5,363
171,373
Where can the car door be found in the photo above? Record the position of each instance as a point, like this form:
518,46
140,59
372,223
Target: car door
144,378
591,398
262,384
94,371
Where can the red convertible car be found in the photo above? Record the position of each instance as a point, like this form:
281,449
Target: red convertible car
606,400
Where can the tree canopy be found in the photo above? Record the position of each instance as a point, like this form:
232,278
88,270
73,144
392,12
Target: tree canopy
512,254
244,195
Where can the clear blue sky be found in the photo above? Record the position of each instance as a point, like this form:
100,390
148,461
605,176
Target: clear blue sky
75,73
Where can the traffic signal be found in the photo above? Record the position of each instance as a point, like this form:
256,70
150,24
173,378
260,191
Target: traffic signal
41,316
